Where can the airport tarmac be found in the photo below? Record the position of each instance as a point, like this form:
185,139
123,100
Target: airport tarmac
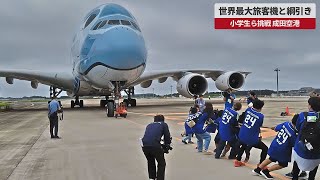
94,146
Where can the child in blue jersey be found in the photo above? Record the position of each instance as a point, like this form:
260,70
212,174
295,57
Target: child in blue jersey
227,130
213,126
200,133
188,131
280,149
228,98
249,135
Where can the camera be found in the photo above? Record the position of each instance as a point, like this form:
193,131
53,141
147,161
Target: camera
166,148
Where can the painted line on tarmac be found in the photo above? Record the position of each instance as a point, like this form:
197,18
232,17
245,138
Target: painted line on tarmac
266,132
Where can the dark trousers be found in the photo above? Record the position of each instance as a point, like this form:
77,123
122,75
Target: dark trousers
233,152
53,125
296,171
259,145
153,154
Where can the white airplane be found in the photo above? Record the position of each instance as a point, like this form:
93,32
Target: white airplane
110,56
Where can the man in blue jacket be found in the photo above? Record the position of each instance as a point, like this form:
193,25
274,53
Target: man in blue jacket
152,147
53,109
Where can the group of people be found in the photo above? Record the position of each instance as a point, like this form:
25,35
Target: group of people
299,138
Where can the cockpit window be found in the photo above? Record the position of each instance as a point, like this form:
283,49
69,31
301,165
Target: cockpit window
90,19
96,27
102,24
135,26
113,22
125,22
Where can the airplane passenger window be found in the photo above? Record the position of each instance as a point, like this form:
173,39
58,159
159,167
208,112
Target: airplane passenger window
135,26
96,27
102,24
126,23
114,22
90,19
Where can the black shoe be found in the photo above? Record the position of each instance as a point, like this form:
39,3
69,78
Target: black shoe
265,173
52,137
185,142
256,172
303,174
289,175
57,137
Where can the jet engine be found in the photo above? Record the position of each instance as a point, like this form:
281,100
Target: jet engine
192,84
230,80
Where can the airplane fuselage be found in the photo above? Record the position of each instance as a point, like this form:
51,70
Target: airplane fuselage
108,48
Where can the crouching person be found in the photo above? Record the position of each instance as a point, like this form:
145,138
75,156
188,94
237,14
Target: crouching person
200,133
280,149
193,116
152,147
227,130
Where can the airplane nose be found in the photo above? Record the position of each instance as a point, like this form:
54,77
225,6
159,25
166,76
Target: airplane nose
120,48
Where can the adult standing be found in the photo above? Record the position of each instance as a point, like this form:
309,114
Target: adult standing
53,109
304,158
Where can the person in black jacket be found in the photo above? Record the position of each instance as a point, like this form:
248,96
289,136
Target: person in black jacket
153,149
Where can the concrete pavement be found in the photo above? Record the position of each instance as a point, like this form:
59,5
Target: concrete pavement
96,147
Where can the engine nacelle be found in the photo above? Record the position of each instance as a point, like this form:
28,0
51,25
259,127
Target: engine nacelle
192,84
230,80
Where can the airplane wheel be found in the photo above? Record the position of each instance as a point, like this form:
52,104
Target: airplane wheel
133,102
72,104
81,103
110,107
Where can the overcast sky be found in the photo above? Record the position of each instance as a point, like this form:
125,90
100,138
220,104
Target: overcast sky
37,34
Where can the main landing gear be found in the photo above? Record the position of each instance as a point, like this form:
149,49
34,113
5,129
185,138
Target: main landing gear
76,102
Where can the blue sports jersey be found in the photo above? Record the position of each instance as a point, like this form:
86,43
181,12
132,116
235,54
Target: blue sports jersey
227,123
229,102
281,147
211,128
298,147
198,128
249,131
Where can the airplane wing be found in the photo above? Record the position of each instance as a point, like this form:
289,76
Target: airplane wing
62,81
191,82
177,74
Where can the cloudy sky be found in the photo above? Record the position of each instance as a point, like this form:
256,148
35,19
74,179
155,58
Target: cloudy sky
37,34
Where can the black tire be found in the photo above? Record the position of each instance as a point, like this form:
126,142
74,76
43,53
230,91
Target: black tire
133,102
110,109
125,116
81,103
72,104
116,116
